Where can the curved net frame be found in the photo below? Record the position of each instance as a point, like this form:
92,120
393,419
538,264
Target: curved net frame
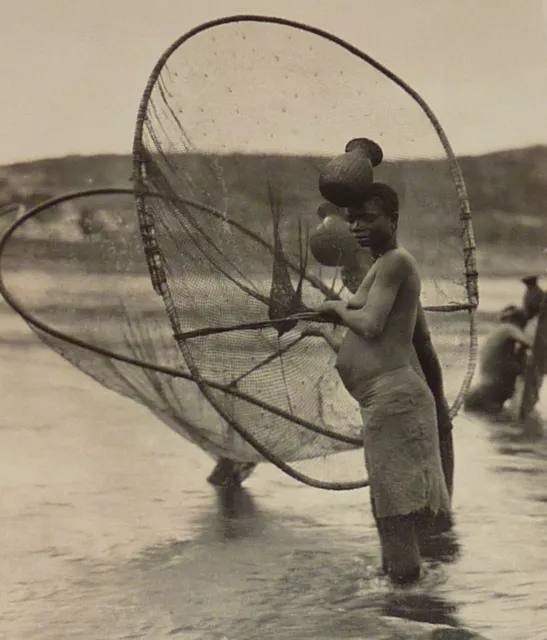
228,121
197,304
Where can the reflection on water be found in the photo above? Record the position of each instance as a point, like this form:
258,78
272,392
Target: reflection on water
109,530
519,436
421,607
271,575
443,548
523,441
236,506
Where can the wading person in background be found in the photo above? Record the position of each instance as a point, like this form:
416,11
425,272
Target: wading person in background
533,296
375,363
230,473
502,359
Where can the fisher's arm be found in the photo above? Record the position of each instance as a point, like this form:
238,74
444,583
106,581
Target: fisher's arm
368,321
519,336
431,367
334,341
521,346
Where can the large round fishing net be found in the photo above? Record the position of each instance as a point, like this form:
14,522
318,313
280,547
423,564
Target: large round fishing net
196,299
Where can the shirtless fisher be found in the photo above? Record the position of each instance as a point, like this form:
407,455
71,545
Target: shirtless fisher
375,363
343,182
501,360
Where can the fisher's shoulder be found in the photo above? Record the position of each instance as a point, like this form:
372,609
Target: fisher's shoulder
396,263
398,256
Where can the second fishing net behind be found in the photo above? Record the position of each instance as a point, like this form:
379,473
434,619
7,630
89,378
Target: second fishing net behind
76,271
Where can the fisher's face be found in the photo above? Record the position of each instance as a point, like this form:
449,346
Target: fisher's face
370,225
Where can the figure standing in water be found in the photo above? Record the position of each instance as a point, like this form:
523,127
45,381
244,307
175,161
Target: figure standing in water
375,363
502,359
230,473
533,297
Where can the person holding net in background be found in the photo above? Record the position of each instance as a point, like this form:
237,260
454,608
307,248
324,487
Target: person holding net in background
402,407
502,360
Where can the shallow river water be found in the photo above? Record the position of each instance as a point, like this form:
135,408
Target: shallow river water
109,530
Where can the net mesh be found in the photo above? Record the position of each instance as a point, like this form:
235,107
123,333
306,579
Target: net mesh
94,289
236,122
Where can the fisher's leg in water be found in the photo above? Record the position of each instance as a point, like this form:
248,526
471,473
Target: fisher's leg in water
230,473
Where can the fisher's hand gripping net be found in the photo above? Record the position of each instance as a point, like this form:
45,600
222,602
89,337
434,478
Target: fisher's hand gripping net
192,293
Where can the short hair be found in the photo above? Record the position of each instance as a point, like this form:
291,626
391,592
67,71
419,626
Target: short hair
514,315
530,280
387,197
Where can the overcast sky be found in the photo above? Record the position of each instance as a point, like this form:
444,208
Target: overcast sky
73,71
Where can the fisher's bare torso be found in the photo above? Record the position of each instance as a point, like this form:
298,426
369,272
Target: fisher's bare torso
381,318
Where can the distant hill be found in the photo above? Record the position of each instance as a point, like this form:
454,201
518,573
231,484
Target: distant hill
29,182
507,189
513,181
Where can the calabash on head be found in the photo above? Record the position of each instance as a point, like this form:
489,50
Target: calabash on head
345,180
